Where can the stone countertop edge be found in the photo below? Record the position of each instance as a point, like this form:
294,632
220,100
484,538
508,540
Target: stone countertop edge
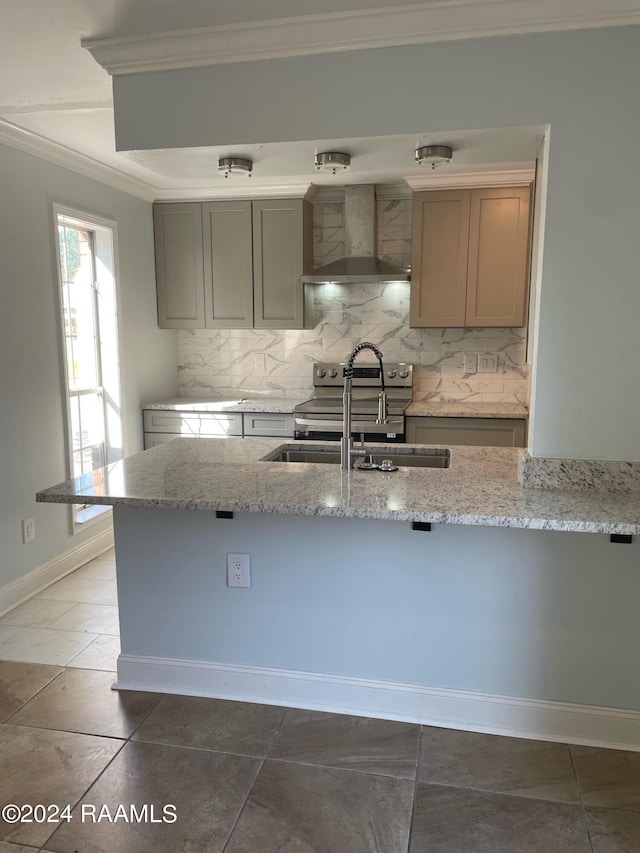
230,403
463,409
480,488
279,405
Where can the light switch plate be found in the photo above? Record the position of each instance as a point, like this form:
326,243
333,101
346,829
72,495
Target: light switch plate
488,363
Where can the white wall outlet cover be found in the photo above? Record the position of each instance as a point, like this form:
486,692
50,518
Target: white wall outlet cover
28,529
239,570
471,363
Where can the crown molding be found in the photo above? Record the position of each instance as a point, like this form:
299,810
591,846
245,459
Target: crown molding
436,20
393,191
493,178
60,155
327,194
243,189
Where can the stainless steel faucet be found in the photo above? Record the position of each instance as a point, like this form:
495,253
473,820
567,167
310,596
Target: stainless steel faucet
346,446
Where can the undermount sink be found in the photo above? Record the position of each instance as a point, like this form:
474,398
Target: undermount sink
427,457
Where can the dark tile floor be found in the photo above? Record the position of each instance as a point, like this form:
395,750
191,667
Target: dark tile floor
243,778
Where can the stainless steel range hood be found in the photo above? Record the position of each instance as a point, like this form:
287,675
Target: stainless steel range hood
359,264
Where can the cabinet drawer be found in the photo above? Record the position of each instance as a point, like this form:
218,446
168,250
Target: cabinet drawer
479,432
270,423
192,423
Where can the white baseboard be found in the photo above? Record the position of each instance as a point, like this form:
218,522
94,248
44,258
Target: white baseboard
16,592
457,709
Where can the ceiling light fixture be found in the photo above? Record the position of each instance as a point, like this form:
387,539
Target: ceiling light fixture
433,155
235,166
333,161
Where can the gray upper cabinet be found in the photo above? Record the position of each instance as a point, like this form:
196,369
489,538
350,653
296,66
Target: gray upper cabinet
282,249
233,264
228,274
179,274
470,257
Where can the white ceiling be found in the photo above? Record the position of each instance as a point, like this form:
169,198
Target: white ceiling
53,91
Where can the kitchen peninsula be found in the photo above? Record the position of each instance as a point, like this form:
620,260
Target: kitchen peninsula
351,614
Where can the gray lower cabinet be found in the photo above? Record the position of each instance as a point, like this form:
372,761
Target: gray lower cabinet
233,264
487,432
162,425
268,424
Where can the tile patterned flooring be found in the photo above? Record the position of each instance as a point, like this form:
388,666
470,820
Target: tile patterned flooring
245,778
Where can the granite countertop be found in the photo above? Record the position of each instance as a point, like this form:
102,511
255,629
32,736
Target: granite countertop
434,408
480,488
239,402
244,402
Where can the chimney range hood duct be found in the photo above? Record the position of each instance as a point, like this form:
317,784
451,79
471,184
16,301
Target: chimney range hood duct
359,265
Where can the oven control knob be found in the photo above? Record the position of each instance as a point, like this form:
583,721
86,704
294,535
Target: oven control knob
321,372
403,373
392,373
333,373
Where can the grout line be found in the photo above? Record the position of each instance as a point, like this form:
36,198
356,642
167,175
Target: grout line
500,793
242,808
340,769
579,787
84,794
24,704
415,787
203,749
66,731
84,649
146,717
277,729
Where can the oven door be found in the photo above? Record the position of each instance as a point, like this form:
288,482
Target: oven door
329,428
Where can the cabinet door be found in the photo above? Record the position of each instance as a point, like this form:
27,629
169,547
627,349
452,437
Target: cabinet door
439,258
282,246
179,273
479,432
228,266
498,257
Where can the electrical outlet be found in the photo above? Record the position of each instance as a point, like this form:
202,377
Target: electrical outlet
239,570
260,361
471,363
28,529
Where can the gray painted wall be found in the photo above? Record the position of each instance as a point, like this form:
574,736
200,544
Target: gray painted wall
32,443
583,84
529,614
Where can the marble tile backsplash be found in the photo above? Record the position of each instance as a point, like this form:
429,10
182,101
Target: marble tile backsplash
218,361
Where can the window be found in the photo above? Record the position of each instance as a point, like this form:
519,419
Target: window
86,269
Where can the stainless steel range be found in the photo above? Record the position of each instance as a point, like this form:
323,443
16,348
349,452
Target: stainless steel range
320,417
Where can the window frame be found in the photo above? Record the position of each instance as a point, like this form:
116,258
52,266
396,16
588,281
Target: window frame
104,247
